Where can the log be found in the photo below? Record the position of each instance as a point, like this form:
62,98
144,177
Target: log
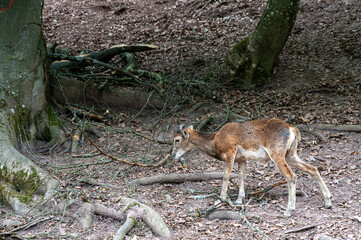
66,90
345,128
180,178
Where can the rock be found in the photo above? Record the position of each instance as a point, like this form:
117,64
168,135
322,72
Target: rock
324,237
11,223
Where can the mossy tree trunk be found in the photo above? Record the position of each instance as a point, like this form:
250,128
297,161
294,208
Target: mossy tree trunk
24,110
251,61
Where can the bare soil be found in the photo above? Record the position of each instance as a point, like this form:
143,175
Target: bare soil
316,80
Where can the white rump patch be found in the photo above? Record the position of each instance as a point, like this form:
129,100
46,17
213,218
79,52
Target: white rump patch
290,139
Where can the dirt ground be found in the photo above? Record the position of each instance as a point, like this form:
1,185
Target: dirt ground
317,79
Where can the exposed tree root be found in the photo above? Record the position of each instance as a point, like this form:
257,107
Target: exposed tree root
180,178
21,181
131,211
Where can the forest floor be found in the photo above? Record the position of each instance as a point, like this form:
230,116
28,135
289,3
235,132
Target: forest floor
317,79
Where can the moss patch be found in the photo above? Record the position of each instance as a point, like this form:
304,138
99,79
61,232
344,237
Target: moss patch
25,183
51,115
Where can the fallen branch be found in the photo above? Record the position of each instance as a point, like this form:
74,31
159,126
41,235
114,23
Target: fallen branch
304,228
26,226
86,60
266,189
180,178
346,128
81,114
76,139
309,130
104,55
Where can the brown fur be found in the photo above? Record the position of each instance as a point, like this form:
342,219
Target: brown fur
259,140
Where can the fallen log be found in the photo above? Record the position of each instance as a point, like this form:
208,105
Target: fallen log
180,178
67,90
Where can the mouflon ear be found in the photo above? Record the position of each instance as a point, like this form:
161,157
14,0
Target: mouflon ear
180,127
185,134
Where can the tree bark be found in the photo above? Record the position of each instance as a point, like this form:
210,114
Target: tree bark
251,61
24,111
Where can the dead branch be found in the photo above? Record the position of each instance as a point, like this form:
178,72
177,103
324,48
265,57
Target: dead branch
75,142
86,60
310,129
180,178
305,128
103,56
304,228
95,183
25,226
266,189
81,114
346,128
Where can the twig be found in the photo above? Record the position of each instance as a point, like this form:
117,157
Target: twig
26,226
266,189
141,110
204,123
205,5
128,162
272,100
311,131
88,60
304,228
149,138
225,120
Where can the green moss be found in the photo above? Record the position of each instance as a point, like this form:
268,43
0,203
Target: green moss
3,104
25,183
51,115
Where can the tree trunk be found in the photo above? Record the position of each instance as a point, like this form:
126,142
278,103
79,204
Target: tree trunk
251,61
24,111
